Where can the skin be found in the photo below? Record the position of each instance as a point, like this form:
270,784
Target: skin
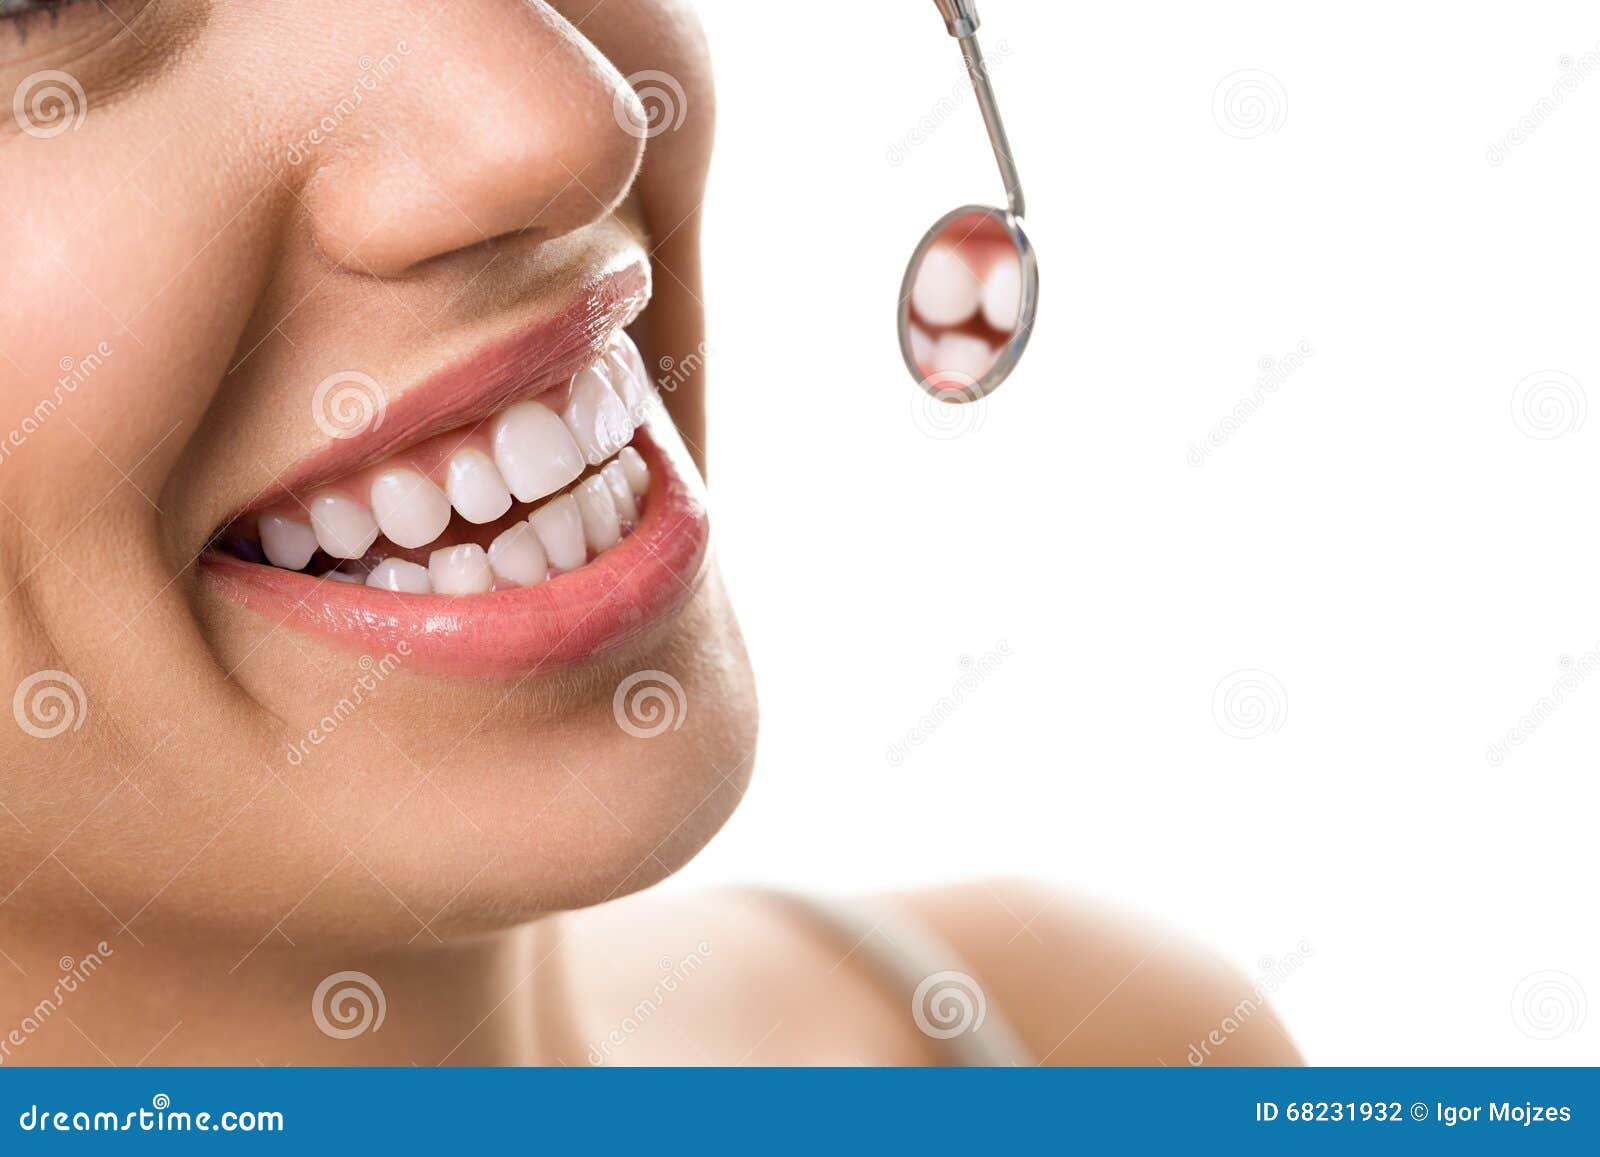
220,262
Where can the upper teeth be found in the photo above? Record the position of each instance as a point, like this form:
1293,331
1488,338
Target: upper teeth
529,452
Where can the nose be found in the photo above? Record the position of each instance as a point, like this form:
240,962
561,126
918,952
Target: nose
497,117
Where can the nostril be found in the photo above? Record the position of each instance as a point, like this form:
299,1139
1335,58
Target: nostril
530,130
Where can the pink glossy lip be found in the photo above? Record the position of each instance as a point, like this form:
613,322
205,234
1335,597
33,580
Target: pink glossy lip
624,593
539,357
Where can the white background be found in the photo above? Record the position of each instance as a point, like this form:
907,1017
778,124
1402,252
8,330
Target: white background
1384,536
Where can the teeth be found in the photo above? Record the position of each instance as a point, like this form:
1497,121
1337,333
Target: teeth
628,374
963,354
535,453
460,570
411,511
396,574
288,542
921,346
633,466
596,416
560,529
584,481
946,290
345,528
616,480
516,557
601,527
475,487
1002,295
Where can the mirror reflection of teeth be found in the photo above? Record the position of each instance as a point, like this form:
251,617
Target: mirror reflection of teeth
964,354
1002,295
946,291
575,467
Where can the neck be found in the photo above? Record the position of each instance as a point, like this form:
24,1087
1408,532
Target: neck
117,1001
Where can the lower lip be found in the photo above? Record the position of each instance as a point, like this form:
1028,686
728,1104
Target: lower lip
625,593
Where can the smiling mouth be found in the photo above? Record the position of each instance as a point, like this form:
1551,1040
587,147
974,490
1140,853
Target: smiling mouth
555,517
533,492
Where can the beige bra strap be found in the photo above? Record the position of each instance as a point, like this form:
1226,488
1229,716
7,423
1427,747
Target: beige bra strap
928,977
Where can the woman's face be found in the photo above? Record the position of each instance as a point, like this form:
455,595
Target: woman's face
293,288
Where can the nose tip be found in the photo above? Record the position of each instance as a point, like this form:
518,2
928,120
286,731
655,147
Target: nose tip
493,127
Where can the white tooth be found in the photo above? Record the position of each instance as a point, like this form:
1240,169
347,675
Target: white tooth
534,452
633,466
344,527
516,557
396,574
921,347
946,290
601,529
339,576
288,542
961,353
628,375
411,511
616,480
1002,294
596,416
560,529
460,570
475,487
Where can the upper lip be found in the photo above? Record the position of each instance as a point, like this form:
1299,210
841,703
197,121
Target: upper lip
536,357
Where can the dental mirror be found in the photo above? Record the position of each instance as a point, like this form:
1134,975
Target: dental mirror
971,289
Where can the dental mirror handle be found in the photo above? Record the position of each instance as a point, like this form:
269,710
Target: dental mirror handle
961,18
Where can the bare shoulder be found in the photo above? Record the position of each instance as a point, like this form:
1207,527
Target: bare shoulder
743,977
1085,985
